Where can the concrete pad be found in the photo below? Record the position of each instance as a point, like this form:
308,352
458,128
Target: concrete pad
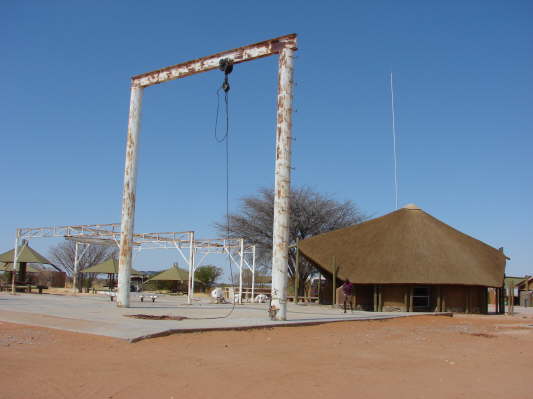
96,314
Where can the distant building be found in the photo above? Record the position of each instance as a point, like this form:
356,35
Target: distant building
408,260
525,292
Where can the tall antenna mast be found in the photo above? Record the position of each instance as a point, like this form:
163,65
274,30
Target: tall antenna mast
394,143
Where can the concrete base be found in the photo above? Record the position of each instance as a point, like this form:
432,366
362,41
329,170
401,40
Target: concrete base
98,315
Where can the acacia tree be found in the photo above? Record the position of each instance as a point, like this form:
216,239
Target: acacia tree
208,275
63,254
311,213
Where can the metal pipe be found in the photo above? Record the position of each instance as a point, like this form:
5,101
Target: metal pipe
190,288
15,260
193,272
253,273
297,271
240,271
128,197
75,274
280,242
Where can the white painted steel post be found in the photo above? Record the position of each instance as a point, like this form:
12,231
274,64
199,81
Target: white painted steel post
15,259
191,268
128,197
193,272
280,242
75,274
241,265
253,273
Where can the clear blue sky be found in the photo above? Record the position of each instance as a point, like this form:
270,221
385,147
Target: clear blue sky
464,91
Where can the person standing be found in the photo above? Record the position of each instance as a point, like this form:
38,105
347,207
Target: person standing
347,290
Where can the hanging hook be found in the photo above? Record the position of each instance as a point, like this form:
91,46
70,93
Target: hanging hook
226,66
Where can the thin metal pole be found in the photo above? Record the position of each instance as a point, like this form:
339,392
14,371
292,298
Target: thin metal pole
297,271
280,241
190,289
253,273
128,198
75,274
241,265
15,260
394,143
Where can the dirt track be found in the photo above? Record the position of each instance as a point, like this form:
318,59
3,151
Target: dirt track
420,357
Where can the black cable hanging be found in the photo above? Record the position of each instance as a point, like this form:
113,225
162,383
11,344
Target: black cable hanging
226,66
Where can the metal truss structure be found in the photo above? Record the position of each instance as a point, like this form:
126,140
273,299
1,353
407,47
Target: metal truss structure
193,252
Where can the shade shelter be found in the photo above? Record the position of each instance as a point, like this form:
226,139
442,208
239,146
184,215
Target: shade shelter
408,260
26,255
173,273
109,267
6,267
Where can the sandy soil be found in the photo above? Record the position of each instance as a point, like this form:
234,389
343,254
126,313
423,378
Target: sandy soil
419,357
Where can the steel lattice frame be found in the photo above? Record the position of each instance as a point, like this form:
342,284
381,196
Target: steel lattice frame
109,234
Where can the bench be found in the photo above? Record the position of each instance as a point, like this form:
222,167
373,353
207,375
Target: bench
149,296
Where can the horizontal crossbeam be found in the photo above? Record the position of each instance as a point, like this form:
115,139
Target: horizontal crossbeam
238,55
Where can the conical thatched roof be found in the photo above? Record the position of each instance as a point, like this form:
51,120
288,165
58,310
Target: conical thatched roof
406,246
8,267
26,254
109,266
172,274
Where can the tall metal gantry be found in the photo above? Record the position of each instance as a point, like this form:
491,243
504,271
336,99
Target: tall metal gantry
285,46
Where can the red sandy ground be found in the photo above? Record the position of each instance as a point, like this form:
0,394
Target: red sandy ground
419,357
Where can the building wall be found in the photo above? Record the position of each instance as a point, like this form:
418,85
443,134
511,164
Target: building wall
393,297
390,298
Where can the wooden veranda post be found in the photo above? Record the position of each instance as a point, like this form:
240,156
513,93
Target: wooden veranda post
334,284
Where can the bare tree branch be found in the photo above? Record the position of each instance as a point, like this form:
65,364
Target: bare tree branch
311,213
63,255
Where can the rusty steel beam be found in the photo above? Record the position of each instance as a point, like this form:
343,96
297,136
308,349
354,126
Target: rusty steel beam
238,55
128,198
280,244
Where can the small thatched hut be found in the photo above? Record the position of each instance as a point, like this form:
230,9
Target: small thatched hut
407,260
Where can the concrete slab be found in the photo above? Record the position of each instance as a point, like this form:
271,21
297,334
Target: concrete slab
96,314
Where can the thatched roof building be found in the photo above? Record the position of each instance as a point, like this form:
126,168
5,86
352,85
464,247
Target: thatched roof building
407,247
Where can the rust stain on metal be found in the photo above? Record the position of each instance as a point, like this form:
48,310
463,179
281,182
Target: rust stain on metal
240,54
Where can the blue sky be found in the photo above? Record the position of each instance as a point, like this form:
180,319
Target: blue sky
463,81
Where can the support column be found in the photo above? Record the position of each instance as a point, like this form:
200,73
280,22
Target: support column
319,285
76,265
241,265
253,273
411,290
297,272
467,302
334,284
438,308
128,198
190,288
485,309
15,260
22,271
510,299
280,242
375,298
